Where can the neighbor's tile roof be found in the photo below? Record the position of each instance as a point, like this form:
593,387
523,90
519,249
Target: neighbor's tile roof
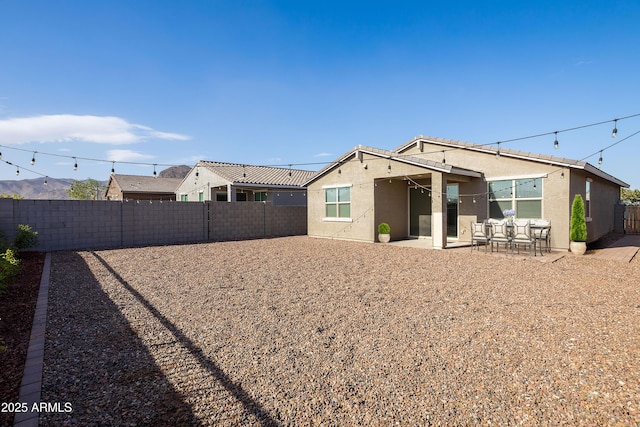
263,175
146,184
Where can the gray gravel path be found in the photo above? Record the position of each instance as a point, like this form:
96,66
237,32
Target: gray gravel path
302,331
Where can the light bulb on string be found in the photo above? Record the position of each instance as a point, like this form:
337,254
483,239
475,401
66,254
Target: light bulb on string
17,171
614,132
46,180
600,159
155,175
113,167
555,143
75,164
444,159
498,152
33,158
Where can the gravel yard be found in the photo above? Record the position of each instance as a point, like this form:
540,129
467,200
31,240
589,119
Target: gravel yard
303,331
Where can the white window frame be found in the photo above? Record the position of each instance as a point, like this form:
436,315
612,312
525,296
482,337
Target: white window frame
324,203
513,198
588,187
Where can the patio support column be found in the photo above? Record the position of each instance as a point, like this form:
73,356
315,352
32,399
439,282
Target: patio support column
231,193
439,210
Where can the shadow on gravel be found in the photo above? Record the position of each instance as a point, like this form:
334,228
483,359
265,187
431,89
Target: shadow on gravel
251,406
96,363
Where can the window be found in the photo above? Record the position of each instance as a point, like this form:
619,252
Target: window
184,198
337,202
201,196
522,195
221,197
587,199
241,197
260,196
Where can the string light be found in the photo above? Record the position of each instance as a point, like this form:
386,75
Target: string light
444,159
46,180
75,164
113,167
155,175
33,158
600,159
498,152
17,171
614,132
555,143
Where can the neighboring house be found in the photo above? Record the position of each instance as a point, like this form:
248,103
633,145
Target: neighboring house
433,187
137,187
232,182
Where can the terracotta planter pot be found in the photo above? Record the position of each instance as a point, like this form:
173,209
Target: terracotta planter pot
384,238
578,248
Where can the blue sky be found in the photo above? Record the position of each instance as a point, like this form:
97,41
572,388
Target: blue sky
302,82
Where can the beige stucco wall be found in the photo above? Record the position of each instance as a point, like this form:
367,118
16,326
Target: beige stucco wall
555,188
390,203
604,196
374,199
192,185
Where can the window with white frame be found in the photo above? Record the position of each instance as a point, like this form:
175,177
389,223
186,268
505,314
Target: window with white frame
587,199
337,201
184,198
522,195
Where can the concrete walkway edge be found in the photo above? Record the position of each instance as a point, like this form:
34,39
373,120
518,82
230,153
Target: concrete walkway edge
31,385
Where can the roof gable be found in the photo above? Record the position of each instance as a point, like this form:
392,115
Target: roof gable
393,155
507,152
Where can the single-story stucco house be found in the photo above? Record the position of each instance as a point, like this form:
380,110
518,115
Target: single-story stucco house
435,188
233,182
137,187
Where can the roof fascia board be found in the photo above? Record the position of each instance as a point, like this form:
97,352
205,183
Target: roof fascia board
599,173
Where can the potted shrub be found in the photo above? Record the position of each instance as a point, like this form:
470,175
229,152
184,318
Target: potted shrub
383,232
578,227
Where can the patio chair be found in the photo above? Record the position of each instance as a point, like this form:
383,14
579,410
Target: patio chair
541,229
480,233
500,234
522,235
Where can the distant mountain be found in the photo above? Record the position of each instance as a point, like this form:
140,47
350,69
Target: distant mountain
175,172
56,189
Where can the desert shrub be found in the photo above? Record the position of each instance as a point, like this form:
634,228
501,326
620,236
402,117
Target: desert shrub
25,238
9,267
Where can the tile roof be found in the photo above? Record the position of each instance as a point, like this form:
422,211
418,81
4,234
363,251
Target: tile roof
146,184
492,148
394,155
262,175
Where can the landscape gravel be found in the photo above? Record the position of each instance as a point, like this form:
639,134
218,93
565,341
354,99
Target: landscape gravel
304,331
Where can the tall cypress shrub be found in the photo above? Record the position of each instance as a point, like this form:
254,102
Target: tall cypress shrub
578,226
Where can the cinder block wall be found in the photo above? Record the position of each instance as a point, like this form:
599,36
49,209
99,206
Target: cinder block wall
87,224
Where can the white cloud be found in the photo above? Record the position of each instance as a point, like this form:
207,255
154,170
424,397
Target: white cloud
126,156
68,127
322,155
